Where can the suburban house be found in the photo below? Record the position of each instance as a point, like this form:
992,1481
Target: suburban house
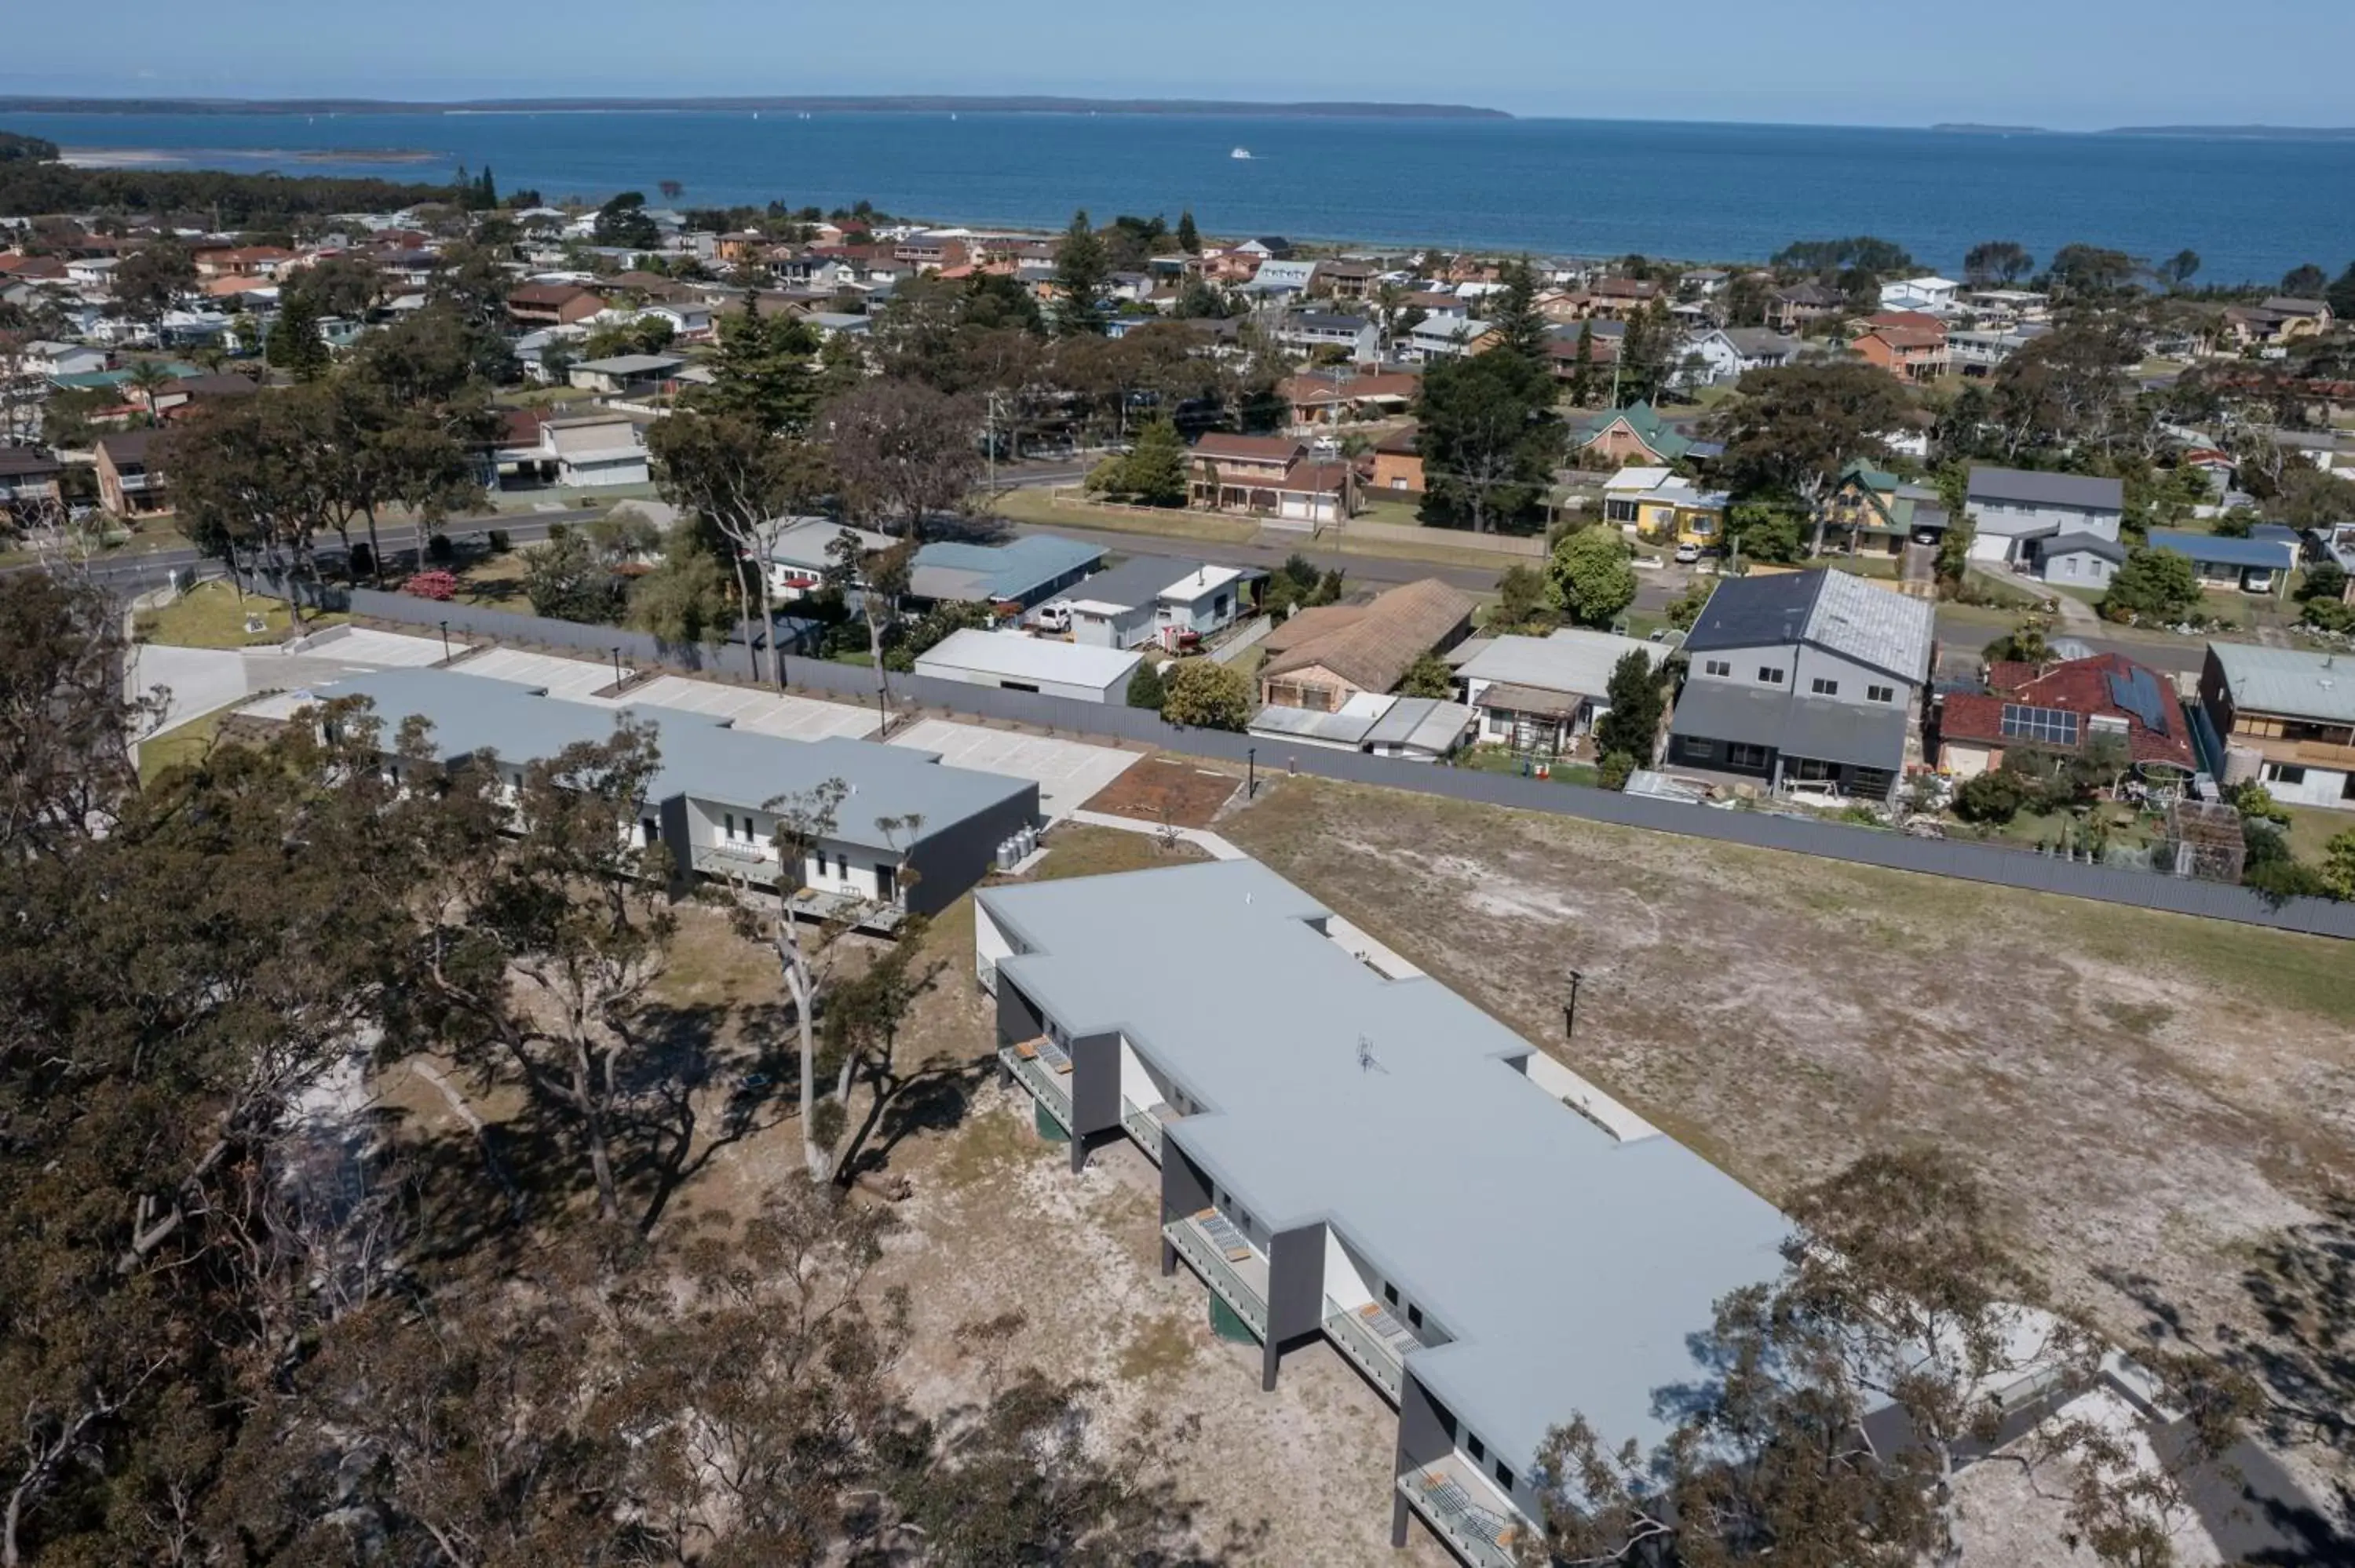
627,375
1788,310
1444,337
1397,464
2081,560
1541,693
1355,338
1325,655
1011,577
1153,600
1931,295
2282,716
1910,349
2064,709
584,451
801,552
1324,397
1414,729
1347,279
130,476
1636,434
1269,476
2277,321
2020,514
1809,681
1878,511
44,357
29,490
1281,279
553,304
1015,662
1675,510
709,805
1732,353
2262,562
1290,1078
1981,351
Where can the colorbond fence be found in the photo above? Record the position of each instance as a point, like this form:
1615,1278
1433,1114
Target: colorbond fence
1862,846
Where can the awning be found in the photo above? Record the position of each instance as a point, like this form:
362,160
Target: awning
1855,734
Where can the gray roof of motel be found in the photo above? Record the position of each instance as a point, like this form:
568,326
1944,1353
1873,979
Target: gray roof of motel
1568,1267
702,756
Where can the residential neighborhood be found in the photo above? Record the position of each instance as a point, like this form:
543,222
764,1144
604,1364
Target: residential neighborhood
821,884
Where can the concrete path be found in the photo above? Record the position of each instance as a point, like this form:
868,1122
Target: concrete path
1202,839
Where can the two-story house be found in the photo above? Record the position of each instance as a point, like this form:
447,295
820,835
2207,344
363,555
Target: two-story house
1877,512
2283,717
1353,338
1908,344
2034,515
1732,353
1809,681
130,476
29,489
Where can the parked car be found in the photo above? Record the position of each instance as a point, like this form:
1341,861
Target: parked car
1687,554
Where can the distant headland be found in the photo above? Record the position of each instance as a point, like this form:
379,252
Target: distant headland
899,104
2222,132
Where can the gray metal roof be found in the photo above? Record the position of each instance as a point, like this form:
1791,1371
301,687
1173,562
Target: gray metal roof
702,756
1570,1269
1860,735
2272,555
2288,681
2085,544
1835,610
2031,489
1312,724
1134,581
1568,661
1424,723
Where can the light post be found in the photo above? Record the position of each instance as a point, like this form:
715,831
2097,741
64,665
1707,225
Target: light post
1570,1009
445,642
1250,765
617,665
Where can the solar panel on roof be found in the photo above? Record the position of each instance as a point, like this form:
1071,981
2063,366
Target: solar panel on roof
2052,727
2138,693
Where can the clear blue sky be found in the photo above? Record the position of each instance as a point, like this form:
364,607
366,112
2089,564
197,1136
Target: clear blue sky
2067,64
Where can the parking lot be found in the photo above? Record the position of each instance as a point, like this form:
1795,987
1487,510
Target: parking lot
384,650
1067,771
761,713
572,679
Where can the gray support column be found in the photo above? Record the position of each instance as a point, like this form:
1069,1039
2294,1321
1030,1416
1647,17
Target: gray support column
1398,1520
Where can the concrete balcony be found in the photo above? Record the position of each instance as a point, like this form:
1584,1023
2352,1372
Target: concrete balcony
1374,1339
739,862
1143,1125
1467,1510
1045,1071
1232,1267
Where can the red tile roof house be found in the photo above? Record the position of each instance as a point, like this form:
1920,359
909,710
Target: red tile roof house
1909,345
1269,476
2063,708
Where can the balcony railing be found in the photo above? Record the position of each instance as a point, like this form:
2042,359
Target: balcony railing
1143,1126
1474,1518
1043,1082
1375,1355
1223,1278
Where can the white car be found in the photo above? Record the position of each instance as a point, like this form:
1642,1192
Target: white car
1053,618
1687,554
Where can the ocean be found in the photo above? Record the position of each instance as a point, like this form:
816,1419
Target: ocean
2252,208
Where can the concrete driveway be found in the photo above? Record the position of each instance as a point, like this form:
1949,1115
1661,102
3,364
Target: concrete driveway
1067,772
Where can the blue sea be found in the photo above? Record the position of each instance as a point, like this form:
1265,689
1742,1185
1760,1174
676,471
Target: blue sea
2252,208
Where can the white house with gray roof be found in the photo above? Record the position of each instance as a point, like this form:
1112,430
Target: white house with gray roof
2020,514
1806,679
1350,1153
911,834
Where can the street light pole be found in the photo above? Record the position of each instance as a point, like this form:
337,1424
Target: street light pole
1570,1009
1251,763
617,666
445,642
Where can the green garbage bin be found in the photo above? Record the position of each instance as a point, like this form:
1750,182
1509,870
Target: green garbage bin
1228,1324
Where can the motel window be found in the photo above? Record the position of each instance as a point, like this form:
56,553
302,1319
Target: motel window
1472,1446
1390,1294
1824,688
730,831
1504,1475
1770,674
1414,1315
2283,775
1881,694
1700,751
1719,667
1742,756
842,867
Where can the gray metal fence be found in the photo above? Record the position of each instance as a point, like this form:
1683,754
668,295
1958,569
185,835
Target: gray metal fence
1832,840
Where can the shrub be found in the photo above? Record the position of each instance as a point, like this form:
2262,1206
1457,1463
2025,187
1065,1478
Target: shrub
433,585
1995,796
362,562
1612,771
1207,695
1145,686
500,542
440,550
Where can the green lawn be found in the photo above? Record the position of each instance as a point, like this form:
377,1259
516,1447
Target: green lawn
213,615
185,744
2311,829
1038,506
495,582
1489,758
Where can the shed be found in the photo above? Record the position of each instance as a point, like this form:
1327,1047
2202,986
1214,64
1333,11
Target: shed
1015,662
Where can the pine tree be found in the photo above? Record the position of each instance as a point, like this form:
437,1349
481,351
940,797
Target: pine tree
487,194
1582,370
1081,268
1190,238
1154,472
294,344
1518,324
1632,723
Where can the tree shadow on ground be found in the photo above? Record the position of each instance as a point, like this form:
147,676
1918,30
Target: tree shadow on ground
684,1061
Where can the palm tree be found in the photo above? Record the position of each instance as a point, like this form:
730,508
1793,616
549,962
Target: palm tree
148,377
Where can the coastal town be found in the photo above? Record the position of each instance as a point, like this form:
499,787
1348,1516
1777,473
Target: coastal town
927,888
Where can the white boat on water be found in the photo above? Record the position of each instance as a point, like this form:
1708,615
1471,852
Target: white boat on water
1241,152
